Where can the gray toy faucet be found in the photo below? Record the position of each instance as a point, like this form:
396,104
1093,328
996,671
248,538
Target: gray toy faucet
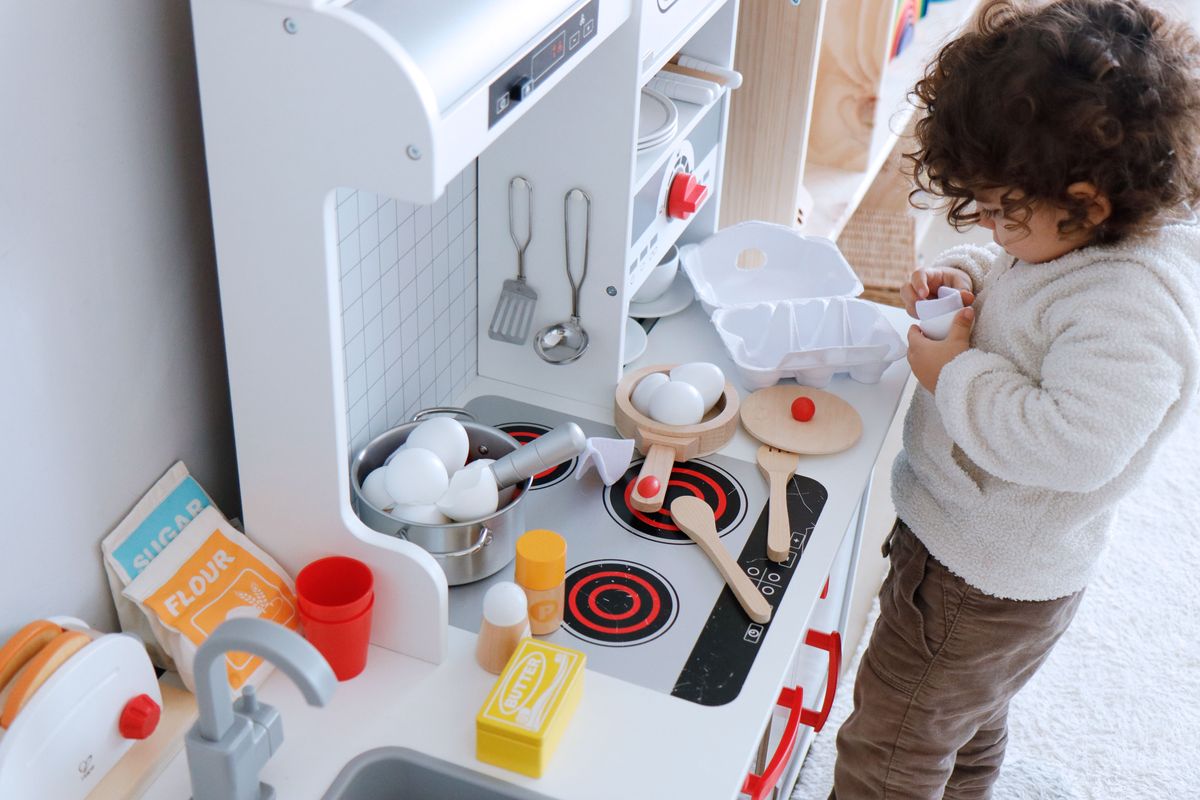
230,743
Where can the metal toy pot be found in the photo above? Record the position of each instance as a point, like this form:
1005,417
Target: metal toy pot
467,551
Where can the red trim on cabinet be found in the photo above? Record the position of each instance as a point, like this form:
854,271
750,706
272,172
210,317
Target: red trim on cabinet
831,643
759,786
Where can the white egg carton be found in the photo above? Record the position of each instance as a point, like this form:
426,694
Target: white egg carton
794,314
808,340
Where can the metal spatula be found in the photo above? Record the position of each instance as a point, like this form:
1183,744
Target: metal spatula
514,310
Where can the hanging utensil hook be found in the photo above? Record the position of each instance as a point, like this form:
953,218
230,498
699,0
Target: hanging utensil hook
564,342
517,184
587,235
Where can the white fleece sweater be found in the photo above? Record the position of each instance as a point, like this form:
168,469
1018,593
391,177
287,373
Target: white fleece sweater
1079,368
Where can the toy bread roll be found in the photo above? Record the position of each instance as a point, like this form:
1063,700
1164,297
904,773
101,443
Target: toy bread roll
23,646
39,669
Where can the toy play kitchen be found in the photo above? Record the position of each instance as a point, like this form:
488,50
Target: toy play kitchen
426,204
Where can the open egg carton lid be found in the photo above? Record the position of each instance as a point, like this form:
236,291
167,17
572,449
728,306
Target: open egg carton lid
784,305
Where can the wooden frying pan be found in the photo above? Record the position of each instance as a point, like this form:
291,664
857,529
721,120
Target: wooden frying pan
663,444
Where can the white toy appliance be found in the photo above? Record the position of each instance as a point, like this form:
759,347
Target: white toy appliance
82,720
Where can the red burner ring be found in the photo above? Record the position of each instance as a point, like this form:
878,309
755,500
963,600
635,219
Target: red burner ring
655,605
633,609
695,478
669,525
618,603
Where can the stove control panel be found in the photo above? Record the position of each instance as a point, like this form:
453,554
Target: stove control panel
525,76
725,649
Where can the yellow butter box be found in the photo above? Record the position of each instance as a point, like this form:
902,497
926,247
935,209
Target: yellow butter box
528,709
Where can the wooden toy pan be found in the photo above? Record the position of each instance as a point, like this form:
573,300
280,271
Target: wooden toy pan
835,425
663,444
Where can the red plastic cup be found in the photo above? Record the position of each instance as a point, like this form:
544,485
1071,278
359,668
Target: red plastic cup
335,596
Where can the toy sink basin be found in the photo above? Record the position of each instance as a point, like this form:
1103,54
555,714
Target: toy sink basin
398,773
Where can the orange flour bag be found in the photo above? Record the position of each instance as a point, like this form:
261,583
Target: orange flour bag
209,574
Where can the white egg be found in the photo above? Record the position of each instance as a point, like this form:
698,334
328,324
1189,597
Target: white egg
640,397
374,489
444,436
415,477
426,514
677,403
707,378
471,495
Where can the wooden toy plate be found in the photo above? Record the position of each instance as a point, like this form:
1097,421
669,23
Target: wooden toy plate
767,416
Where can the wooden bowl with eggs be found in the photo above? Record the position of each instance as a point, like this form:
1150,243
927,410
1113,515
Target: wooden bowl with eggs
664,444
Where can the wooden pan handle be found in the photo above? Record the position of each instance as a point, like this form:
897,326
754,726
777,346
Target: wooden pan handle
657,465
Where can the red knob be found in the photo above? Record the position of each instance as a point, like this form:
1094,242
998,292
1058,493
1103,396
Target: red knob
685,196
140,717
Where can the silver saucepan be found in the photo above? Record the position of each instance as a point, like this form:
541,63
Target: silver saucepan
467,551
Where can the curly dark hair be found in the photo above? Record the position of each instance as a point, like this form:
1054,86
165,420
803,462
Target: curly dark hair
1038,96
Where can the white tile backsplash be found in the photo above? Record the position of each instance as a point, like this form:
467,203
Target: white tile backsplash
409,303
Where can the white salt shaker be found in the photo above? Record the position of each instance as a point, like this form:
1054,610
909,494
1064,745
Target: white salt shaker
505,623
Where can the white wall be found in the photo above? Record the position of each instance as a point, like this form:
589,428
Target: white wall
110,341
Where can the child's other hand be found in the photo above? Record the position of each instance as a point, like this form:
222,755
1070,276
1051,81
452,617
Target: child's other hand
928,356
924,284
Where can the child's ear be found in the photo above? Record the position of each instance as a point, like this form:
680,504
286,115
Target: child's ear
1099,207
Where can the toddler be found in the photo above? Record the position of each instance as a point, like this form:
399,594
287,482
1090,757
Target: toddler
1071,130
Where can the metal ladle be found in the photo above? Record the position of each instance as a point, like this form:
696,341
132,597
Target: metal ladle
563,342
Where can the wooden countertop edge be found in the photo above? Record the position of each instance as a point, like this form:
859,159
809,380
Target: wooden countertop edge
147,759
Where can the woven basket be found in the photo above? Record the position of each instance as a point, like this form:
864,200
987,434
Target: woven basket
881,247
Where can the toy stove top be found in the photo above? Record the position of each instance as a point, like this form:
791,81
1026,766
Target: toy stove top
642,600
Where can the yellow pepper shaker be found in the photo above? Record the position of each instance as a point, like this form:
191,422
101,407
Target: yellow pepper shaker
541,572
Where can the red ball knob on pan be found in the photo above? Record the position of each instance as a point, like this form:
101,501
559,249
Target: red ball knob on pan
648,486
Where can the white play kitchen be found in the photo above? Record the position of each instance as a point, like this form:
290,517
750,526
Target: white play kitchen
511,209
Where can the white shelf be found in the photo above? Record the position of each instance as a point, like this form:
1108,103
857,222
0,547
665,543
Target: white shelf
650,161
837,192
652,64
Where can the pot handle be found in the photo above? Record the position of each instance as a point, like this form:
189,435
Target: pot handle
485,538
453,411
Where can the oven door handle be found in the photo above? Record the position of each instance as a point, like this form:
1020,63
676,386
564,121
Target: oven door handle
759,786
832,644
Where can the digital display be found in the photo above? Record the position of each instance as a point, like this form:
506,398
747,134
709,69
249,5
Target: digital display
549,55
524,77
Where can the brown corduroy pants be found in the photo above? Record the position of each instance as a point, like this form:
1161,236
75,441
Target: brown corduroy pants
932,693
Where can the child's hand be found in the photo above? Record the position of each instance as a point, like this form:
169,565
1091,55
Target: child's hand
927,356
924,283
